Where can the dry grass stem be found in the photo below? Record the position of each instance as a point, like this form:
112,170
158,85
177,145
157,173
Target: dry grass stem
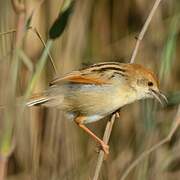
110,123
18,6
155,147
40,142
144,29
106,137
49,54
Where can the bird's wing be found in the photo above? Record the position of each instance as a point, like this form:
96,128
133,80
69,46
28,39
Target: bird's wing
81,78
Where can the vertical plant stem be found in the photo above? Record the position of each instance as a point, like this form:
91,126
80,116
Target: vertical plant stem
39,68
106,137
6,145
49,54
144,29
111,122
174,127
3,169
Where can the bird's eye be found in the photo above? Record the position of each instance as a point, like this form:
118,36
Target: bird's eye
150,83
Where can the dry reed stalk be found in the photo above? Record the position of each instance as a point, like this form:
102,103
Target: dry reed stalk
106,137
7,142
111,122
174,127
144,29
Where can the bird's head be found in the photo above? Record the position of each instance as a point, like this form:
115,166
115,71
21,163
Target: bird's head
146,84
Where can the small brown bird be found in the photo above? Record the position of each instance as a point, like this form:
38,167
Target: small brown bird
90,94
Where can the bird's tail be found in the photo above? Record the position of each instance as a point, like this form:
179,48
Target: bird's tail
38,99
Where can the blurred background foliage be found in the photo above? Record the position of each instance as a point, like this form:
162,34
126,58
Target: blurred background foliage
39,143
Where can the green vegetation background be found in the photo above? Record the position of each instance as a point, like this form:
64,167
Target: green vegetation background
44,144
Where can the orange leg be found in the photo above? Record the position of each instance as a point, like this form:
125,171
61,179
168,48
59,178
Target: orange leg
79,121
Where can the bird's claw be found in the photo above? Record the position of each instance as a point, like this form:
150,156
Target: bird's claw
105,148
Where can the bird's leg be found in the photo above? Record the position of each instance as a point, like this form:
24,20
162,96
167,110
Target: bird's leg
79,120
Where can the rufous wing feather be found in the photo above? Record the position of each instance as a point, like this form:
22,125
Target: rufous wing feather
79,78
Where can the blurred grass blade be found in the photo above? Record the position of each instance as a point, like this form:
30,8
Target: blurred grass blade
169,49
28,21
60,23
174,98
40,65
26,60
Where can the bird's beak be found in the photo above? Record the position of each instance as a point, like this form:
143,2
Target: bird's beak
157,95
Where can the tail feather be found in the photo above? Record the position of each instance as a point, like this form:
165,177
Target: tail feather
37,99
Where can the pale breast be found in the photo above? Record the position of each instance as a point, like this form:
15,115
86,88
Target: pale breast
93,101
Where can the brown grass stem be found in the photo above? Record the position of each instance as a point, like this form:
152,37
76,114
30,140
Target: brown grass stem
155,147
6,141
3,169
144,29
34,30
49,54
18,6
111,122
106,137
